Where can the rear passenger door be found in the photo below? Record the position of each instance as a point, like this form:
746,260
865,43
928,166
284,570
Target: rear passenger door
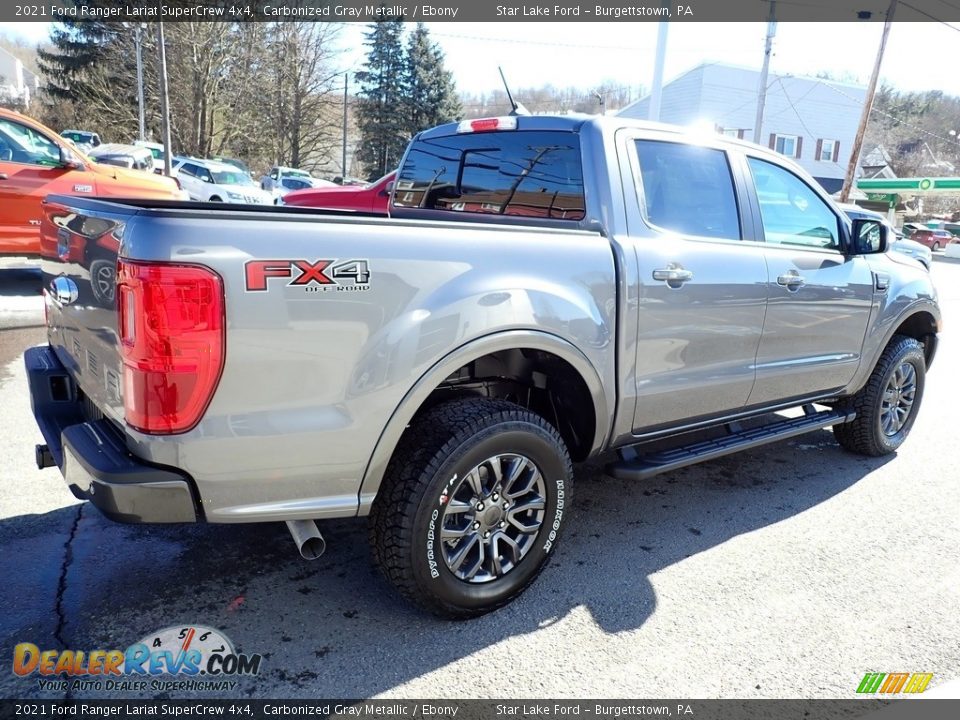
703,280
820,297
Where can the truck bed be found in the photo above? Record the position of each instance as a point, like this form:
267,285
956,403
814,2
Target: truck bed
331,320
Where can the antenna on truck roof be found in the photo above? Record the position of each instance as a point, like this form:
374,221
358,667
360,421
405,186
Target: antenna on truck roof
518,108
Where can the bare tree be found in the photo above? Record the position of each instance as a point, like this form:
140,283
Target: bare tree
301,109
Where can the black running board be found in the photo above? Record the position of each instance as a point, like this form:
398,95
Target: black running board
634,466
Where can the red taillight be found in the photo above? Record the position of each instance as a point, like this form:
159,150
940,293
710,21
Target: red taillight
171,327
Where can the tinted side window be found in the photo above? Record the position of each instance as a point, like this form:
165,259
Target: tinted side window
21,144
792,213
523,173
688,189
188,169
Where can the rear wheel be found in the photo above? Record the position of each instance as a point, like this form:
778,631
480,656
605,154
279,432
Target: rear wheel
215,198
887,405
471,506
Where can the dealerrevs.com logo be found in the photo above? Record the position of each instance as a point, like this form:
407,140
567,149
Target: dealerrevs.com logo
894,683
176,658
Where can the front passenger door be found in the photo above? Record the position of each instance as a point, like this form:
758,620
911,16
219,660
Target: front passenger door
820,297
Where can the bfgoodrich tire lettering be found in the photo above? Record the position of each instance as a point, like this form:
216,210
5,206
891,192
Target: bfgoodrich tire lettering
429,506
887,405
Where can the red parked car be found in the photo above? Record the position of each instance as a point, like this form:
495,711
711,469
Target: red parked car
372,198
933,239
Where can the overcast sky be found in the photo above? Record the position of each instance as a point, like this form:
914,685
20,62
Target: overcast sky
920,56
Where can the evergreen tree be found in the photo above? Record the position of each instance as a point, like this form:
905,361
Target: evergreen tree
383,127
429,91
88,57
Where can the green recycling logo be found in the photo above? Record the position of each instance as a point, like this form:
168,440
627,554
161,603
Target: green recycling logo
926,184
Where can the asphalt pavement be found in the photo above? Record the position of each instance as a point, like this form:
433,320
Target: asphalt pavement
788,571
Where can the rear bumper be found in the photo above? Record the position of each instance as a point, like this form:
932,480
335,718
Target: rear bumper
93,457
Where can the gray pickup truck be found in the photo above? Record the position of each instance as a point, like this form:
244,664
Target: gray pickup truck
545,289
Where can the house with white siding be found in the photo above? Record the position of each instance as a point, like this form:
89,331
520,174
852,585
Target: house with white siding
17,83
809,119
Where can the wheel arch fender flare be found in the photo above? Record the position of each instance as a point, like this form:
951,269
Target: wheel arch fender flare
914,309
465,354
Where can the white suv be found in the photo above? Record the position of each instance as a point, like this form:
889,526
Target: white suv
274,180
210,181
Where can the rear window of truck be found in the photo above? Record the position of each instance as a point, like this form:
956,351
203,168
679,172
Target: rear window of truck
535,174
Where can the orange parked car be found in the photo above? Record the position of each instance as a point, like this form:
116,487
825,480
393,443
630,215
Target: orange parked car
36,162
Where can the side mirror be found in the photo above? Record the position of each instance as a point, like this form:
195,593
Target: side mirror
68,161
387,189
869,237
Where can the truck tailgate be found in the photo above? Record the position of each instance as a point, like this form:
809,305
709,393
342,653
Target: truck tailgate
79,250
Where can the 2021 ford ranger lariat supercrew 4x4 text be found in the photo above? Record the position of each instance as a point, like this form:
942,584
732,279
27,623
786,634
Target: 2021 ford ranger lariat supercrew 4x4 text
545,289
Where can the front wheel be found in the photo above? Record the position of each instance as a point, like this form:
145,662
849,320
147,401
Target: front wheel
471,506
936,246
887,405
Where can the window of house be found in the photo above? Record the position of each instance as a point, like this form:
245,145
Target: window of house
738,133
688,189
789,145
828,150
792,213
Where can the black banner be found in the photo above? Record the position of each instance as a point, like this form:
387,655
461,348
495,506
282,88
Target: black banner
477,10
912,709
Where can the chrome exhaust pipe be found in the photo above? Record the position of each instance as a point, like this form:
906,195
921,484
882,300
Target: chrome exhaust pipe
307,536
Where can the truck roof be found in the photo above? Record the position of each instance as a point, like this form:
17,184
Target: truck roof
578,122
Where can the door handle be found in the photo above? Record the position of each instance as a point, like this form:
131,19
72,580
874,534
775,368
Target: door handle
674,275
3,176
791,280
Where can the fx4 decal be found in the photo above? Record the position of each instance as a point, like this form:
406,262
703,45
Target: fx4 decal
317,276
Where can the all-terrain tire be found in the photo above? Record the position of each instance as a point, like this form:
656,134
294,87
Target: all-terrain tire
866,434
442,457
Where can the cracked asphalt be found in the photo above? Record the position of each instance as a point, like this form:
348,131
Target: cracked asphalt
788,571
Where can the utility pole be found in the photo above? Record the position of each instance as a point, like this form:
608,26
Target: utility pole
165,106
346,80
138,37
762,90
867,107
657,90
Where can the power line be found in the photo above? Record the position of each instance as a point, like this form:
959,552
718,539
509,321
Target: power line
926,14
899,121
949,4
534,42
794,107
